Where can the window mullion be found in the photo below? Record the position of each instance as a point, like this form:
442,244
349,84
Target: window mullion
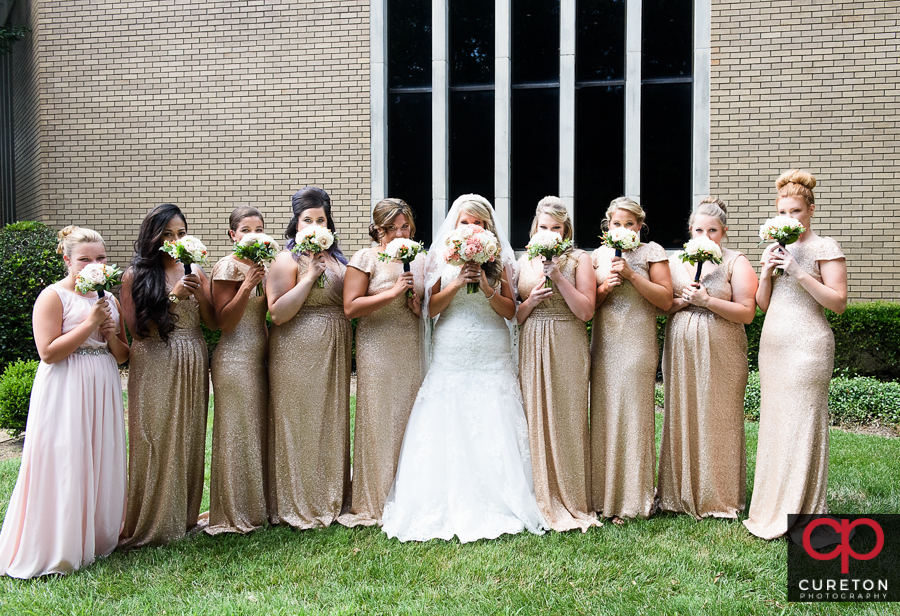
567,104
440,116
502,115
633,99
701,126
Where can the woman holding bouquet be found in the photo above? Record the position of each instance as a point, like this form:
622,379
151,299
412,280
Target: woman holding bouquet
168,384
69,500
239,474
554,368
624,355
387,357
309,374
465,466
796,360
702,462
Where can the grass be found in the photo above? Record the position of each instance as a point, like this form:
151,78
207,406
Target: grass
666,565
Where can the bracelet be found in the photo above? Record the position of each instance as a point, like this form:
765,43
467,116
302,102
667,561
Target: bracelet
492,295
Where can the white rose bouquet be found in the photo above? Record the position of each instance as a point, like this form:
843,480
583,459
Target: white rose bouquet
547,244
403,250
258,248
698,250
314,239
471,243
782,229
98,277
187,250
620,238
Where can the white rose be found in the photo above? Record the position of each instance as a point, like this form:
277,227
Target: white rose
95,273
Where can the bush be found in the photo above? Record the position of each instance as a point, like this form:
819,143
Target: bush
867,339
30,264
851,401
15,394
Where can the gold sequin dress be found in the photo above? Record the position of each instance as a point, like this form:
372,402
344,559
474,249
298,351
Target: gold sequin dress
309,408
168,397
388,376
554,368
238,476
796,360
702,462
624,355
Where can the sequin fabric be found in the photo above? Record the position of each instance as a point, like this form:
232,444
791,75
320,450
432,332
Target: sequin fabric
624,355
238,479
554,368
796,360
168,394
388,377
702,460
309,408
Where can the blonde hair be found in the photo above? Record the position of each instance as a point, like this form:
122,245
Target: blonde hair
555,209
629,205
385,212
709,206
479,207
798,184
71,236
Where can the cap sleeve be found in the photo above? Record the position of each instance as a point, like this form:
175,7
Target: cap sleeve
733,256
656,253
595,257
364,260
228,269
829,250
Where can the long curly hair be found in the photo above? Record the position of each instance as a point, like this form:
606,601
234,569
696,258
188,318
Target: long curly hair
148,289
307,198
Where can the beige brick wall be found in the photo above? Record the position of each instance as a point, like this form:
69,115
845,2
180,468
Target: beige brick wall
26,116
812,85
206,104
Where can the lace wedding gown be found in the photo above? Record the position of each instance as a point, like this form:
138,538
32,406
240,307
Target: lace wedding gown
465,464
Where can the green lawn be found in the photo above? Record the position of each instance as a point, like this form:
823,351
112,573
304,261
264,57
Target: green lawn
667,565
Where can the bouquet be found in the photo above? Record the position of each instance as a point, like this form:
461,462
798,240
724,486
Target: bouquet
98,277
259,248
187,250
314,239
698,250
403,250
782,229
620,239
547,244
471,243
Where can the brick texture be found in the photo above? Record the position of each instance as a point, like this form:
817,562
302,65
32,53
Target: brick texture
811,85
26,118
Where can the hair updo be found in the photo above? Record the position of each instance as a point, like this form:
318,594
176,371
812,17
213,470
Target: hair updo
385,212
629,205
242,212
71,236
478,206
555,209
798,184
709,206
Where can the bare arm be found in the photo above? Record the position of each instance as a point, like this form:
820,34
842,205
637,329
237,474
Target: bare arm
230,298
356,285
204,298
657,289
742,306
581,296
287,295
47,320
764,290
115,336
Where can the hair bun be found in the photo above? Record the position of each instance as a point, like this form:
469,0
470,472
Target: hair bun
61,236
717,201
796,176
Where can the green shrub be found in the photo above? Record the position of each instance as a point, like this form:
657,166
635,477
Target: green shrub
15,394
867,339
851,400
659,396
754,329
28,264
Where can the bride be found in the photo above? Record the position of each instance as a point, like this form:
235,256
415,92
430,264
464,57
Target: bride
465,466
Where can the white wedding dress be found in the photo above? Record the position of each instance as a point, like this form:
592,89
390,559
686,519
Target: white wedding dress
465,464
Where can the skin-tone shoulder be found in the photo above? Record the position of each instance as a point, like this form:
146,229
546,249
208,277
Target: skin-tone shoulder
230,298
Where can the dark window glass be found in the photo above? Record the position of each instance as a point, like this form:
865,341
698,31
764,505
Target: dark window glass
471,42
599,158
600,40
666,161
667,39
535,41
409,43
409,155
534,157
472,144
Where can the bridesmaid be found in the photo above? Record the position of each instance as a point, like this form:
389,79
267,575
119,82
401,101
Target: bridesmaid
624,355
309,376
554,368
168,385
702,463
387,359
69,500
796,360
238,479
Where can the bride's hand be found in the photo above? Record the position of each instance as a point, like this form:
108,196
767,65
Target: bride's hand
469,272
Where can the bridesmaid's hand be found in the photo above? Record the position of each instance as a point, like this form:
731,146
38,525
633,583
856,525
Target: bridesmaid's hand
404,283
254,276
612,281
621,268
551,269
539,294
99,312
186,286
696,295
414,303
677,304
785,260
767,261
317,266
108,328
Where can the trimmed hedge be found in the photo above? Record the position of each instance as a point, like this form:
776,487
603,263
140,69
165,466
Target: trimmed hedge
15,395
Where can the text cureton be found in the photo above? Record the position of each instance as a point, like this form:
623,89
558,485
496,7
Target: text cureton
843,585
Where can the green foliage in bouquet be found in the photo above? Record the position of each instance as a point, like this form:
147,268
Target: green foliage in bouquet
15,394
29,264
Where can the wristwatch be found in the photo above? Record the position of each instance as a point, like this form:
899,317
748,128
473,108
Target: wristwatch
173,298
